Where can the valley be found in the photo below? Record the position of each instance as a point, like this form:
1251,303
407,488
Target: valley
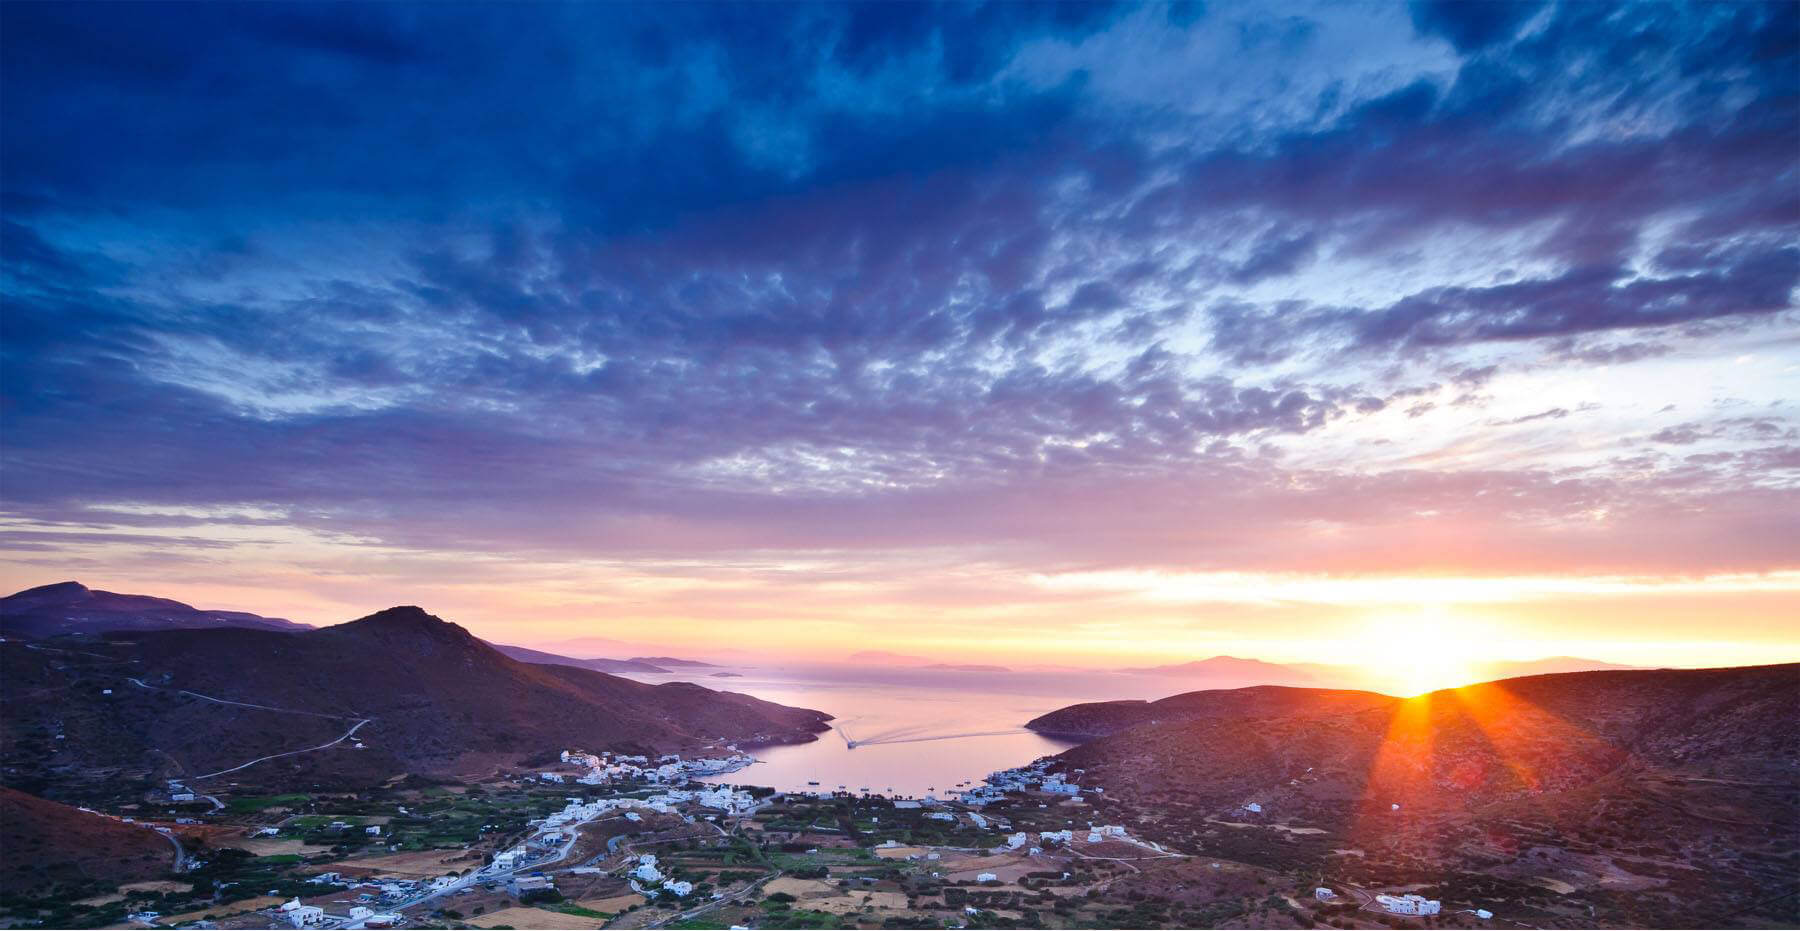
395,771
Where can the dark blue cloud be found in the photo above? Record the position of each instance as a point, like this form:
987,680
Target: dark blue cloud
1472,25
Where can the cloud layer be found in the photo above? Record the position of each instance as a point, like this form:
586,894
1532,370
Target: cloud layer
1449,288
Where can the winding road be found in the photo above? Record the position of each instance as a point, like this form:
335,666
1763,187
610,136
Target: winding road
180,853
244,704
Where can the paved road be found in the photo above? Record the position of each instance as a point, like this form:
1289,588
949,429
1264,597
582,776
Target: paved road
490,875
346,736
181,863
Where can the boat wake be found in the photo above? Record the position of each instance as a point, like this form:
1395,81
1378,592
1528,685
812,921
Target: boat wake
912,736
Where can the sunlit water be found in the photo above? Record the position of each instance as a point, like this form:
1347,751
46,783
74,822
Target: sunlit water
917,731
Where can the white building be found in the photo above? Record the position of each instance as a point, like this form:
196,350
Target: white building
1409,904
1323,894
979,821
679,887
550,777
1018,840
303,916
182,797
1254,807
1061,837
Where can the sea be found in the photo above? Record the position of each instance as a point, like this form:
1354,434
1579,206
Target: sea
916,731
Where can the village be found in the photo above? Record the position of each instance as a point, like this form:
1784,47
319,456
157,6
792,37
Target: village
601,840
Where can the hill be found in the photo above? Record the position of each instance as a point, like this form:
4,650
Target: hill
187,703
597,664
1637,790
50,846
671,661
66,608
1099,719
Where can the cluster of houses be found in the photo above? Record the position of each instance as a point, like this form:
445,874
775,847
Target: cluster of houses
1409,904
723,798
301,915
670,769
1034,777
645,876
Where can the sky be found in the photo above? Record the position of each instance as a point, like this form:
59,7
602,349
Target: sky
1082,334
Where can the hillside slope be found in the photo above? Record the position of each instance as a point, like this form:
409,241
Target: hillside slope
1651,783
54,846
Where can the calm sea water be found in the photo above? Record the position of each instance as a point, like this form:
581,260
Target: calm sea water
917,730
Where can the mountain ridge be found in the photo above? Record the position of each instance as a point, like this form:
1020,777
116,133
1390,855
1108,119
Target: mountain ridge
63,608
433,694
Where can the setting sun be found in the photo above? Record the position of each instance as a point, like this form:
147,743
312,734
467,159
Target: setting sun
1412,655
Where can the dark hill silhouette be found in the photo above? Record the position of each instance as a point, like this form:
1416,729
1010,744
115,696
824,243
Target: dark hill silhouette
439,699
1099,719
65,608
